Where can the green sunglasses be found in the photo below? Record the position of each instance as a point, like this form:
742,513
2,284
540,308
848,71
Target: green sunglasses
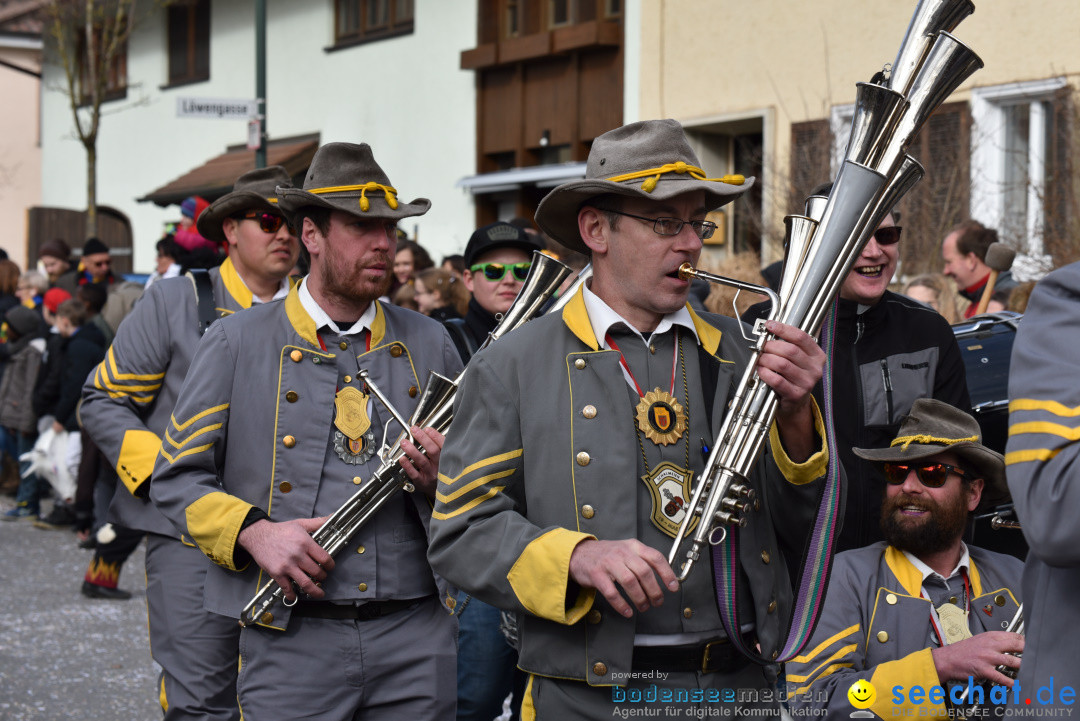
497,271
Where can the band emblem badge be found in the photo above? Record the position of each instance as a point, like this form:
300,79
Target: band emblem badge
669,487
660,417
354,441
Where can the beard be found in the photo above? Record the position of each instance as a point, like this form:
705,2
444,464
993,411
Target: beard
351,286
936,531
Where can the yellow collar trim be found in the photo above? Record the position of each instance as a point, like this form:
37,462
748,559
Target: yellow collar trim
299,318
906,441
378,326
911,579
653,175
709,335
388,192
234,284
576,318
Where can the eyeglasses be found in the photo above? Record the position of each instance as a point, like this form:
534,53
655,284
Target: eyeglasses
497,271
889,235
672,226
268,222
932,475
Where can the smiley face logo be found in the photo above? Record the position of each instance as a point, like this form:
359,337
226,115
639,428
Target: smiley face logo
862,694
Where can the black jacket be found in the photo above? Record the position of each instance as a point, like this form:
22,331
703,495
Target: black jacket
470,333
82,353
884,358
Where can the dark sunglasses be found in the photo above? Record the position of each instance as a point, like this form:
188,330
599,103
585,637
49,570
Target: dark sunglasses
888,236
932,475
268,222
497,271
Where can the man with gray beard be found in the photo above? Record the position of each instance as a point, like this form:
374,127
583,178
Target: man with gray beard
921,608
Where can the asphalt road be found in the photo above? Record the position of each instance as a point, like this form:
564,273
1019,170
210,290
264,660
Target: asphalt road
64,656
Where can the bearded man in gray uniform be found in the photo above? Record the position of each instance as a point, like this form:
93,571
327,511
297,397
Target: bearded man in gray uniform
921,609
275,429
126,408
575,439
1040,456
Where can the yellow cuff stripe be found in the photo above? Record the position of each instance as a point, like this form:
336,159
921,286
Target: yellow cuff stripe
474,484
1037,454
480,464
813,467
468,506
214,522
138,451
1031,404
806,658
831,662
541,574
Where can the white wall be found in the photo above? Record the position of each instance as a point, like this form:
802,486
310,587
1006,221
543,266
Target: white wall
405,96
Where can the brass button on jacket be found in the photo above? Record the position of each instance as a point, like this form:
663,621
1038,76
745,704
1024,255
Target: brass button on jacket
289,441
362,587
882,636
589,411
765,557
413,391
599,668
587,511
343,345
292,396
594,617
285,486
296,356
579,364
891,599
583,458
688,612
395,350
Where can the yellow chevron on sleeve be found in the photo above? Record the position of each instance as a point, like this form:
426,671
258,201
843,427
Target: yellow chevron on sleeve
102,384
214,522
541,574
1034,404
510,455
468,506
197,416
1035,454
830,662
806,658
173,459
827,672
474,484
110,358
1069,433
193,436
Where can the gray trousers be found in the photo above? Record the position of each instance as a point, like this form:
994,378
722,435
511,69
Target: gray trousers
198,651
689,696
401,666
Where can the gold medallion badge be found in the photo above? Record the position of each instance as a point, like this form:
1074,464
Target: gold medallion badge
660,417
669,486
954,622
354,442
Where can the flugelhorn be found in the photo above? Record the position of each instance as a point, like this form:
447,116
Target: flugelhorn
435,409
824,243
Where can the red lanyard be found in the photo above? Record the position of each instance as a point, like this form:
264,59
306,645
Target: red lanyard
630,380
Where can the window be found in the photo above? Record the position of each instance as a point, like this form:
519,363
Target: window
363,20
114,71
188,29
561,12
1012,159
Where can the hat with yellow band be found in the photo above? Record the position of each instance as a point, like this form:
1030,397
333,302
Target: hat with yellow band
254,190
934,427
345,177
651,159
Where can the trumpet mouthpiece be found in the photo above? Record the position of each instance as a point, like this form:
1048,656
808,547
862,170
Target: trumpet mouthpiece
686,271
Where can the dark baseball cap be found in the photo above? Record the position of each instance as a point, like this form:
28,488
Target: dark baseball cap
497,235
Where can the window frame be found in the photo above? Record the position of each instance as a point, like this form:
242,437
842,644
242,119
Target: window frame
365,33
113,90
193,51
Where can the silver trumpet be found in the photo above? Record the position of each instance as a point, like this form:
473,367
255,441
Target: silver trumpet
434,410
823,244
1016,625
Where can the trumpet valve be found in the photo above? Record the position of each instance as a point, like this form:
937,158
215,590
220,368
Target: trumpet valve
733,505
741,490
731,519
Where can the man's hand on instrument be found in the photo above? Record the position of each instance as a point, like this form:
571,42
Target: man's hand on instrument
792,364
637,569
979,657
423,468
288,553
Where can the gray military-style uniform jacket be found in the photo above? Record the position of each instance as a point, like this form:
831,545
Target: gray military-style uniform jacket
254,427
542,455
875,625
1041,458
128,399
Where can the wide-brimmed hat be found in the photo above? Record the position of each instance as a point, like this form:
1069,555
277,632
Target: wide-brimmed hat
254,190
651,159
934,427
345,176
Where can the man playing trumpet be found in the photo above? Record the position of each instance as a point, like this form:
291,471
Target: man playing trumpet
570,460
920,608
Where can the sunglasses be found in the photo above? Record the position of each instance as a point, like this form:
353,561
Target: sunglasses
497,271
268,222
888,236
932,475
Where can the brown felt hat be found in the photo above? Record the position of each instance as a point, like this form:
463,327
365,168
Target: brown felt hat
254,190
934,427
345,177
651,159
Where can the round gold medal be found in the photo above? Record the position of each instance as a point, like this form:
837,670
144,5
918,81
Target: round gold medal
660,417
